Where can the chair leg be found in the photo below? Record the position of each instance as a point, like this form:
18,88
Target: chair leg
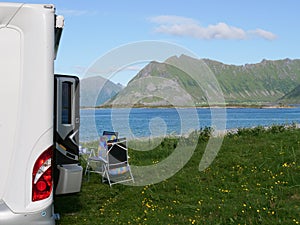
131,176
87,168
87,171
104,173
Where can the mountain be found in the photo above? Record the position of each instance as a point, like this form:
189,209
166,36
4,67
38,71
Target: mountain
96,90
266,81
183,81
292,97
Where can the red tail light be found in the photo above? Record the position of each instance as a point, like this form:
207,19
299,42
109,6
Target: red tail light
42,176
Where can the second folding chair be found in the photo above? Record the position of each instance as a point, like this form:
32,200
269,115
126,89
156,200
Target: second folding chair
116,168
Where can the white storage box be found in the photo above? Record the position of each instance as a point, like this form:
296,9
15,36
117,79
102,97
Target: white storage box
70,177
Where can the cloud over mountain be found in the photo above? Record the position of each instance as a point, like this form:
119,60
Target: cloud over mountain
183,26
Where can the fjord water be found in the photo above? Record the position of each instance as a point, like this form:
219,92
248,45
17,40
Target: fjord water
146,122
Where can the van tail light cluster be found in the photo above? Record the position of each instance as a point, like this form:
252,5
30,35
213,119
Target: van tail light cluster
42,180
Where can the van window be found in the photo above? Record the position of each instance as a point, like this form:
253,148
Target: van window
66,112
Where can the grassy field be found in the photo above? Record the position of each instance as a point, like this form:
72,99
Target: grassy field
255,179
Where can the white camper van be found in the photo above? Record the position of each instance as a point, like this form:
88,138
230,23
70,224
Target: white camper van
39,116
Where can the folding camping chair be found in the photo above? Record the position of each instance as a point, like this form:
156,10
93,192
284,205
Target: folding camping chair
116,168
96,157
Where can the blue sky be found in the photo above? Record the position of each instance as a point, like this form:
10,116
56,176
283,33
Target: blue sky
232,31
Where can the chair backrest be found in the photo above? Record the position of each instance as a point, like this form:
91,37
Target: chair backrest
107,136
102,147
117,153
111,135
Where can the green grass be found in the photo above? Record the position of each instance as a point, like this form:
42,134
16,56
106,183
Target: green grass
255,179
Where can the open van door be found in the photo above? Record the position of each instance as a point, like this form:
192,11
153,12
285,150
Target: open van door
68,172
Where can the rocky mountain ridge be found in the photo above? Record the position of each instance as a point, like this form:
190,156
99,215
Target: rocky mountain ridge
186,81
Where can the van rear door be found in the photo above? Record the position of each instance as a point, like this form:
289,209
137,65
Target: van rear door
66,134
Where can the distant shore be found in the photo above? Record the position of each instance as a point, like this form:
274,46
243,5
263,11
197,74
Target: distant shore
257,106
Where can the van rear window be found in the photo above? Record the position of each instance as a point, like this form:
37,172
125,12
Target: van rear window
66,112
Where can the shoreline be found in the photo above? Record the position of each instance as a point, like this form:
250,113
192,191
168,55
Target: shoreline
214,133
229,106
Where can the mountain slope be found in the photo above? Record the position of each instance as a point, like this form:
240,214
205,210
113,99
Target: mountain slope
292,97
262,82
165,84
95,91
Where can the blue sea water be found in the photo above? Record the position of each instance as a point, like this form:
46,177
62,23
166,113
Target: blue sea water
146,122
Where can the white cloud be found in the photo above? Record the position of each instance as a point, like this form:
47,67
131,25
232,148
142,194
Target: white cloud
264,34
182,26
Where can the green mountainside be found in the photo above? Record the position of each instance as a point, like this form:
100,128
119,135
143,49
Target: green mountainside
95,91
292,97
163,84
266,81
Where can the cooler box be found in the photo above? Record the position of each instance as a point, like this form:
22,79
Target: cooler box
70,176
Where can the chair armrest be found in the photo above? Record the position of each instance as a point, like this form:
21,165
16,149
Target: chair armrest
102,159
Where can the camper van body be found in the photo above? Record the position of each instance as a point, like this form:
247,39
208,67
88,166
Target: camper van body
28,40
